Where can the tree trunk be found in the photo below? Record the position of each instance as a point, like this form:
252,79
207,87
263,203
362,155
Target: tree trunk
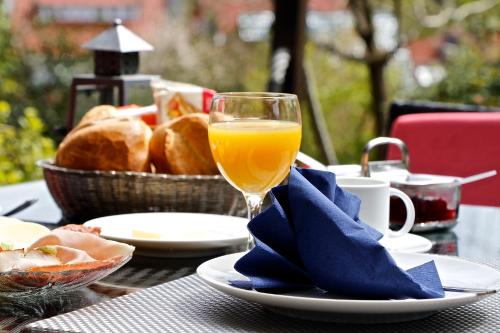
288,46
362,12
377,87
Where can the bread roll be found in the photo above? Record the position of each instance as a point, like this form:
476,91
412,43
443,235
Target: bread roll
181,146
105,141
97,113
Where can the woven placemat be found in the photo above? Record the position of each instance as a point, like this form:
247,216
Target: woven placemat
189,305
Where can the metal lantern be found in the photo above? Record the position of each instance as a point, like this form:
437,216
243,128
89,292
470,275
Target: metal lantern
116,51
116,63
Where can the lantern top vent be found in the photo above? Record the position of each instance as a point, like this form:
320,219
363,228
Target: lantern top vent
118,39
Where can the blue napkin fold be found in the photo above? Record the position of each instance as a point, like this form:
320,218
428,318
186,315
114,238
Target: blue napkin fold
311,237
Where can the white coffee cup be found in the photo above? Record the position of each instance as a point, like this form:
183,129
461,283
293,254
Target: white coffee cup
375,196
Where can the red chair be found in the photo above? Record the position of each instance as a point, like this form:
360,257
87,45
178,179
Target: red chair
455,144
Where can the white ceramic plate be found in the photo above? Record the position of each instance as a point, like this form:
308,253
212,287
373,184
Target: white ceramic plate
312,305
174,234
406,243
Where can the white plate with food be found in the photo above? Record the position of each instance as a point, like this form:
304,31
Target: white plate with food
175,234
316,305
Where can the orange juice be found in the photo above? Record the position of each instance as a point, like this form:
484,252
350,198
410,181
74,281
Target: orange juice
254,155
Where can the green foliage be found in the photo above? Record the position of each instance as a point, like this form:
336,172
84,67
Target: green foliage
21,145
22,140
186,57
344,94
47,78
39,78
10,64
470,80
473,69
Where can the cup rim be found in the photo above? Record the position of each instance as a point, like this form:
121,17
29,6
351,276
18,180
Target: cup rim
254,95
361,182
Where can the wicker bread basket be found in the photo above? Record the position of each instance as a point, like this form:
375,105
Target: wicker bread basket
83,195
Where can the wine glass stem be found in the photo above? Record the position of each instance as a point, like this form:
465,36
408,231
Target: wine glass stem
254,205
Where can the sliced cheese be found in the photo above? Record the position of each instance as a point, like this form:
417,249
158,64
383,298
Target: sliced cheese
145,234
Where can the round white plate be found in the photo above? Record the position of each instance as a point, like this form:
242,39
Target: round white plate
174,234
313,305
406,243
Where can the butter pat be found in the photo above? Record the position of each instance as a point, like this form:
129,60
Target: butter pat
145,234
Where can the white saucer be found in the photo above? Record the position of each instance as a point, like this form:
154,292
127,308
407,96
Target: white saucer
407,243
310,305
174,234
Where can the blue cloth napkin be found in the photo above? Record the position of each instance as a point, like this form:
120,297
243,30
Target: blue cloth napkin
311,237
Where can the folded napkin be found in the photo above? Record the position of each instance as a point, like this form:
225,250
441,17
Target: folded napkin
311,237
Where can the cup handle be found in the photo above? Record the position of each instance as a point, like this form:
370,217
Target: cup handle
410,213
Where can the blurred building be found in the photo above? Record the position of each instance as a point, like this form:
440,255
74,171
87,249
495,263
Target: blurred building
252,19
43,23
427,55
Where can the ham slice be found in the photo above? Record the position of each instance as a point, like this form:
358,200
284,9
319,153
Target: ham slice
82,228
39,258
95,246
63,250
66,255
63,258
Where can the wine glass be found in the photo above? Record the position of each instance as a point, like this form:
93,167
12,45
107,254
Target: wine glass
254,138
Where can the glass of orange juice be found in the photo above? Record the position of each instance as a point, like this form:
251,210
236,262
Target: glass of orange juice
254,138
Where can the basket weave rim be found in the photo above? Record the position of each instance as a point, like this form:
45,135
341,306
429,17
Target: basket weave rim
48,164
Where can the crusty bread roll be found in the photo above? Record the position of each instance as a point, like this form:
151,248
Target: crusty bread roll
105,141
99,112
181,146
